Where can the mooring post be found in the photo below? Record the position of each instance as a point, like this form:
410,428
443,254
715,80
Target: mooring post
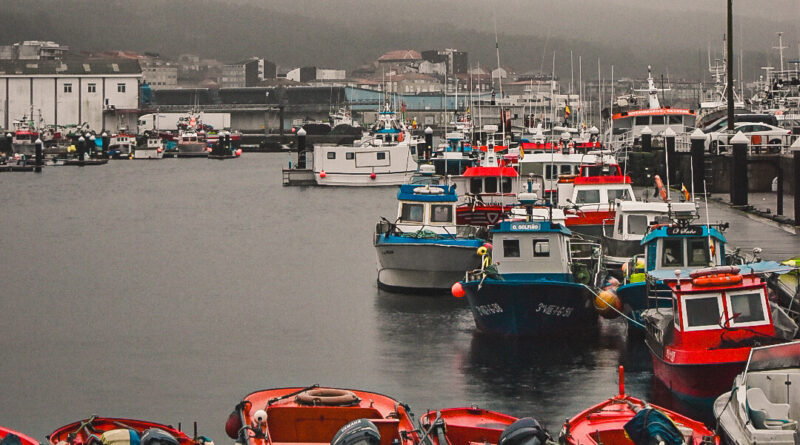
672,160
795,149
428,142
301,148
104,148
739,185
39,160
647,139
81,148
698,139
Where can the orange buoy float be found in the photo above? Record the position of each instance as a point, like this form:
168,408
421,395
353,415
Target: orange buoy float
660,186
327,397
724,279
607,304
457,290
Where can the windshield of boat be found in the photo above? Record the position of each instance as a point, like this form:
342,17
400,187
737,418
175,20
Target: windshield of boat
441,213
697,249
702,311
637,224
587,197
621,194
411,212
672,253
783,356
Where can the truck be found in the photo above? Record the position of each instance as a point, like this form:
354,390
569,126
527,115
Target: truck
155,122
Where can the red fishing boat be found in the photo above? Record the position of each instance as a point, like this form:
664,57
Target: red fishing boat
7,437
623,419
703,341
110,430
589,198
473,425
315,415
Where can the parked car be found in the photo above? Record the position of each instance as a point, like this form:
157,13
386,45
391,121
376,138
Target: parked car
759,134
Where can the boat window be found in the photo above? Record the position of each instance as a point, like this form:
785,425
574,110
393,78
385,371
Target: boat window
511,248
675,119
349,155
621,194
506,184
541,248
411,212
698,252
637,224
702,312
490,185
475,185
749,307
381,155
548,171
642,120
569,252
658,120
673,253
587,197
566,169
441,213
331,155
619,226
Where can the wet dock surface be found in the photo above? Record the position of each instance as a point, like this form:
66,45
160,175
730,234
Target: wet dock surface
168,290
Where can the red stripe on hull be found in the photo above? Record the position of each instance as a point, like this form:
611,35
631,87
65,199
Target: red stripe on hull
591,218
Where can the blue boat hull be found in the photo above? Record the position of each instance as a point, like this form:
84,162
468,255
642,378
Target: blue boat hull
634,300
531,307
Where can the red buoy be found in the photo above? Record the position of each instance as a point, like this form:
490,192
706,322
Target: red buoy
238,152
322,174
457,290
372,175
233,425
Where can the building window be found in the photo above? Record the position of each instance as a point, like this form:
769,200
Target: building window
92,88
120,88
67,87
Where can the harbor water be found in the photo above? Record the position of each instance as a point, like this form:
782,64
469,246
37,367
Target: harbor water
167,290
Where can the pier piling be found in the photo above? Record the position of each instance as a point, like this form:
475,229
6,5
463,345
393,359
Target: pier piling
647,139
39,158
301,148
698,140
739,183
428,142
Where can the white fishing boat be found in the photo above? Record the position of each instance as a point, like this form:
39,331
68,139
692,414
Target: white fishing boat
153,148
423,250
121,146
764,405
385,156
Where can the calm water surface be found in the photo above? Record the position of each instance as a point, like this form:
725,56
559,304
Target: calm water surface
167,290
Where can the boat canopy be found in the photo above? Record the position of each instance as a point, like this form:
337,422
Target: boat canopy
427,193
684,232
491,171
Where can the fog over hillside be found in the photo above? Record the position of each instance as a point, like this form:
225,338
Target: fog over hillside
673,36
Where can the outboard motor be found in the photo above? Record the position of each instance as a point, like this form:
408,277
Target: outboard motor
157,436
525,431
357,432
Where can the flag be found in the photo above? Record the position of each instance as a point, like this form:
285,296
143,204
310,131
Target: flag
521,152
566,109
685,192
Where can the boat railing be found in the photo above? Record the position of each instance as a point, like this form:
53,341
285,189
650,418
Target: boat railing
425,230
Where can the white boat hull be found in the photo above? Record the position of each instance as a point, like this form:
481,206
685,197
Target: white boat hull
147,154
423,267
363,179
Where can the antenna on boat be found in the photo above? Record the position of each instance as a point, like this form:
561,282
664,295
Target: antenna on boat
708,226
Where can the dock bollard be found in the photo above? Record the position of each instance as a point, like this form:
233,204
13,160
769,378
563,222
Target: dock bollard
301,148
81,148
672,164
6,148
104,147
428,142
647,139
698,139
39,158
92,146
739,185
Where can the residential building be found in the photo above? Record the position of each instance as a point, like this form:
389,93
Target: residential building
456,62
247,73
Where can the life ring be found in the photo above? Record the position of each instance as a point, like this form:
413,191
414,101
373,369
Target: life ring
327,397
716,270
660,186
725,279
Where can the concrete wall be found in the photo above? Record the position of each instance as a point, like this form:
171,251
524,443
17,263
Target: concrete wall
760,172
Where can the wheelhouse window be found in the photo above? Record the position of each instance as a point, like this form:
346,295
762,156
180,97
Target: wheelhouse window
349,155
541,248
380,155
548,171
748,305
566,169
675,119
621,194
658,120
642,120
490,185
412,212
505,184
672,254
701,312
441,213
698,252
511,248
637,224
331,155
475,185
587,197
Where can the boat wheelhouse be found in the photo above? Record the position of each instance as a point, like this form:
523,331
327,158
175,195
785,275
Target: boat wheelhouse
551,165
121,146
423,250
153,148
454,155
590,197
700,343
190,144
385,156
632,221
530,284
764,405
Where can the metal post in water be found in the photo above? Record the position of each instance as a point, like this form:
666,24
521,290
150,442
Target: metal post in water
739,185
698,139
428,142
780,187
38,154
796,182
647,139
301,148
669,142
81,148
104,147
621,380
729,60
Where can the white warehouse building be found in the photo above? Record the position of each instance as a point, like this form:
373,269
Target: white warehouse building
102,93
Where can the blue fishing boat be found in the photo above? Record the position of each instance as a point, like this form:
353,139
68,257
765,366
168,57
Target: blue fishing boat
531,285
423,250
